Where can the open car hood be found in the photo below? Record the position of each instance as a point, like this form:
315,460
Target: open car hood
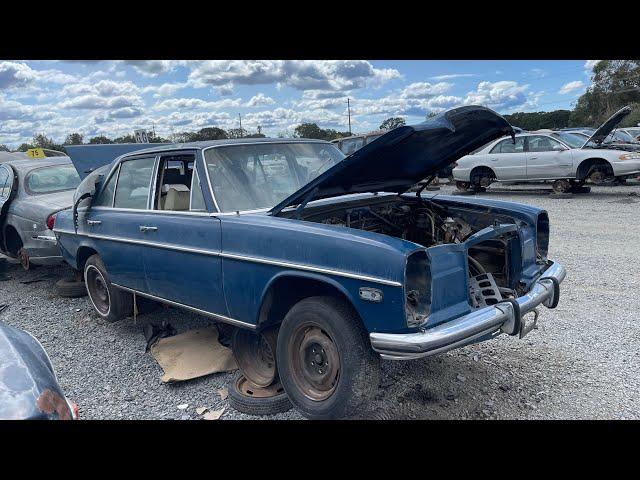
87,158
607,127
405,155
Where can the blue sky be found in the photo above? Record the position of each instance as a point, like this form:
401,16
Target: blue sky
115,97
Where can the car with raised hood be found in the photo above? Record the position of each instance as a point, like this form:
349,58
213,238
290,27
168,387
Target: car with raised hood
326,264
564,157
32,191
29,389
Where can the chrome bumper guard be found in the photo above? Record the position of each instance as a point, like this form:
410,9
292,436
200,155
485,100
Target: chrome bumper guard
506,317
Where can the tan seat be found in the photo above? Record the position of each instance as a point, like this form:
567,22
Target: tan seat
177,197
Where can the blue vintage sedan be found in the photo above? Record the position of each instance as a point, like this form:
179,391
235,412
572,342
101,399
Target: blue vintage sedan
323,263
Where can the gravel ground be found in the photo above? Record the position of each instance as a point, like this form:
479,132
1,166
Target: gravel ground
583,362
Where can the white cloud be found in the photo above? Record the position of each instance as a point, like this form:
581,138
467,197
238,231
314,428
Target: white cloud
260,99
195,103
298,74
95,102
500,95
571,86
151,67
451,76
13,74
425,89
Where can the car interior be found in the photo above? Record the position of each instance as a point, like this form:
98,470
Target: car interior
174,183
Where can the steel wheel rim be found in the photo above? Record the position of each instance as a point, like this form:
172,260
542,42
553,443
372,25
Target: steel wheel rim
315,362
98,290
247,389
256,356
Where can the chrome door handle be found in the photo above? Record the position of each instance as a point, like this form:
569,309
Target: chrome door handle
144,228
94,222
534,158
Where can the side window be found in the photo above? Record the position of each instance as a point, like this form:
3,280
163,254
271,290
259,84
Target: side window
4,182
173,183
132,190
106,195
507,146
543,144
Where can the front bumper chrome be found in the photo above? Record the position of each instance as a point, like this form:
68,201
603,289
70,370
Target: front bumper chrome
504,316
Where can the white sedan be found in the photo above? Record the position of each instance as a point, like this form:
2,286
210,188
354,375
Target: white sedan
560,156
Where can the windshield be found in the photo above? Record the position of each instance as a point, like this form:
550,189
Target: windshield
250,177
52,179
619,137
572,139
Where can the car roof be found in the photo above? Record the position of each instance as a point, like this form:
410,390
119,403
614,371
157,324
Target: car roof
31,163
216,143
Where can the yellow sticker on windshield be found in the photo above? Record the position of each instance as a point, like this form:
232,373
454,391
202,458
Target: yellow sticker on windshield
36,153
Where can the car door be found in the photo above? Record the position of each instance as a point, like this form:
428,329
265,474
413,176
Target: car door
508,159
547,158
182,263
116,218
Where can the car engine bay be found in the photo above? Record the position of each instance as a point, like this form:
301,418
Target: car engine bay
429,224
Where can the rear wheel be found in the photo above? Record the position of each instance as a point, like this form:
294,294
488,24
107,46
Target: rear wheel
109,302
255,354
326,364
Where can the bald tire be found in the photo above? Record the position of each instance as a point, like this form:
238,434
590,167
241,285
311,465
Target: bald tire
359,372
120,302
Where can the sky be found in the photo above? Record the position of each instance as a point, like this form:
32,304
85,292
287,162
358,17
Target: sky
113,98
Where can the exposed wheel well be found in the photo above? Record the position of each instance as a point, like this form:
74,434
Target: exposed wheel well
12,241
586,165
83,255
286,291
478,173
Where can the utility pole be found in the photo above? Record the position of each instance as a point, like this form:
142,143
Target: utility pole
349,113
240,118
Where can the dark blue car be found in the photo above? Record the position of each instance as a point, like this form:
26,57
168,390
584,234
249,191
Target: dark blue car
323,263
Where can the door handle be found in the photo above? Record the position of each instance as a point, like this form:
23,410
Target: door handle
534,158
94,222
144,228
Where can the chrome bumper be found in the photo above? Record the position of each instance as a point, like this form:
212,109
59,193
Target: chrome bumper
505,317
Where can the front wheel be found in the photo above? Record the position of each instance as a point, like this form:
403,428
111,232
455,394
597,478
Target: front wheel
109,302
326,364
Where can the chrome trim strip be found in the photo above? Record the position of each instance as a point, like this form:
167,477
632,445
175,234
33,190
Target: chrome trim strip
206,172
232,256
217,316
312,269
465,329
139,210
45,238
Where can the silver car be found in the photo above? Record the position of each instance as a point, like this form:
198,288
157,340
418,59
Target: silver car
32,191
567,158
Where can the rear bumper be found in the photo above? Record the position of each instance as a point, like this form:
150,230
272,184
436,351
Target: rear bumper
43,250
503,317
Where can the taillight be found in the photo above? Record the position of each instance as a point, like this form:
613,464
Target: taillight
51,221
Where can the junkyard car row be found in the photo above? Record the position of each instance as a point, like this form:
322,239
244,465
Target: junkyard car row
321,264
568,157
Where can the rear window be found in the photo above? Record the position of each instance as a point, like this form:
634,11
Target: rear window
52,179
